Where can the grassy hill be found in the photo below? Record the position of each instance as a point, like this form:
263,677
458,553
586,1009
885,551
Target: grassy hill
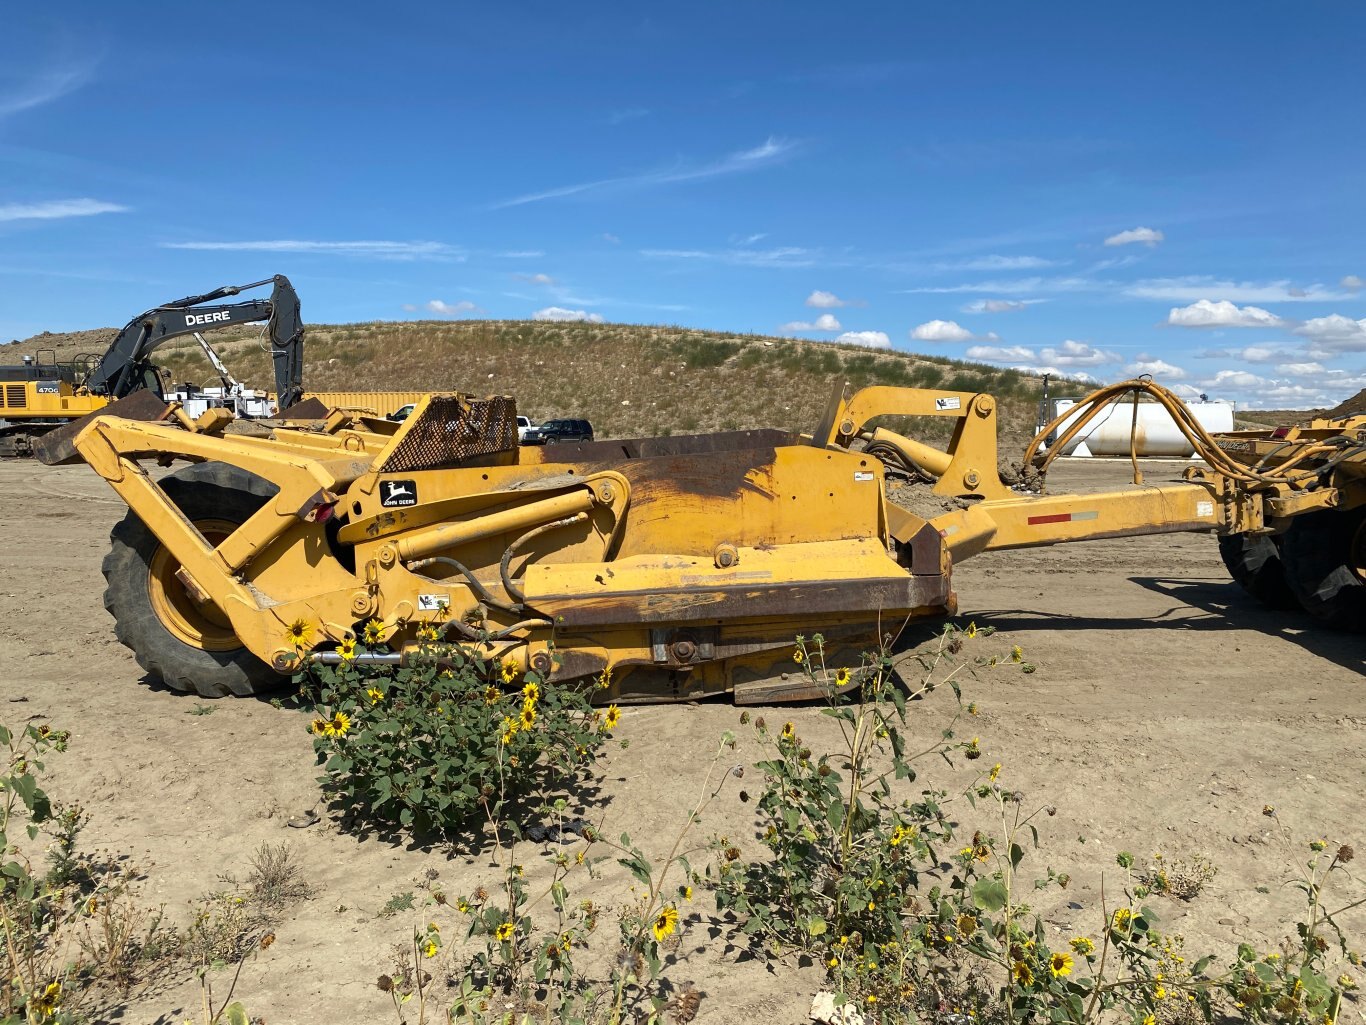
626,379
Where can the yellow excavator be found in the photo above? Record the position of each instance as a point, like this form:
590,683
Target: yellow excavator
676,568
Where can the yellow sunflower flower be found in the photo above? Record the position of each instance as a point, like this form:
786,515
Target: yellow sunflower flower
299,634
1024,975
507,671
504,932
373,632
665,922
320,728
491,695
971,632
789,731
427,633
347,649
374,694
429,948
510,727
341,722
612,717
1060,964
527,718
531,693
799,656
842,677
1082,945
49,1000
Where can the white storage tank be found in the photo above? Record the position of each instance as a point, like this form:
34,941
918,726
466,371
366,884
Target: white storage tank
1108,433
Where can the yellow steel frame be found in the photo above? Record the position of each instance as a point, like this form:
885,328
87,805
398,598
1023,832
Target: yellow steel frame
633,564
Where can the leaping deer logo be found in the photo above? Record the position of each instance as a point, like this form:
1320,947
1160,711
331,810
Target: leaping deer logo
396,489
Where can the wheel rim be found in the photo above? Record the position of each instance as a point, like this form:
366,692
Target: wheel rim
200,626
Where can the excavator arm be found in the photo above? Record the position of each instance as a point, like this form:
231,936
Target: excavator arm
126,366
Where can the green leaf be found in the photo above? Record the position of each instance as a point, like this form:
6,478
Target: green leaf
989,894
236,1014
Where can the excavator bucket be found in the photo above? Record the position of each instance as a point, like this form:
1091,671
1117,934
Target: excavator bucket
58,448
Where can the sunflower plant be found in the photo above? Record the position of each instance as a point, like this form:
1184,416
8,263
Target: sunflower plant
531,935
914,920
446,741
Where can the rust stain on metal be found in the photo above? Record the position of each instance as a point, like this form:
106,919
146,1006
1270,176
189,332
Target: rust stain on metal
808,598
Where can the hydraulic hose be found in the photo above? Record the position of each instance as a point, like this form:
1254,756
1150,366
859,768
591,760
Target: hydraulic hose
1206,447
479,589
505,567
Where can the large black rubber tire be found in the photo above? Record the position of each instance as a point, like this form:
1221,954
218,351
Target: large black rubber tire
1254,561
1322,551
203,491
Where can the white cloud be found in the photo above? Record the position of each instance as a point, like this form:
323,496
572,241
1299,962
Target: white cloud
995,262
1334,333
747,240
1223,313
1155,367
57,208
45,87
377,248
825,322
781,256
825,300
1077,354
559,313
451,309
1262,354
1352,283
1235,379
1197,286
1017,286
618,117
522,254
1000,354
941,331
771,151
998,305
1147,236
1297,386
607,236
536,279
1039,371
871,339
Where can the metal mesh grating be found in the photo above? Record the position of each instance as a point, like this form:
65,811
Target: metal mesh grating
453,429
17,398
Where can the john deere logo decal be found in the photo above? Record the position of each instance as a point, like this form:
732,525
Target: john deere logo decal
394,493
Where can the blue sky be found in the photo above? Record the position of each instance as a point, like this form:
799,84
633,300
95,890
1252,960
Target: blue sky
1165,188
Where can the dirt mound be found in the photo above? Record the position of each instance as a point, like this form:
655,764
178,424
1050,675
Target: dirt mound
1356,404
66,344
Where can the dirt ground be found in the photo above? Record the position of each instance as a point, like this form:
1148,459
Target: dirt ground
1166,711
